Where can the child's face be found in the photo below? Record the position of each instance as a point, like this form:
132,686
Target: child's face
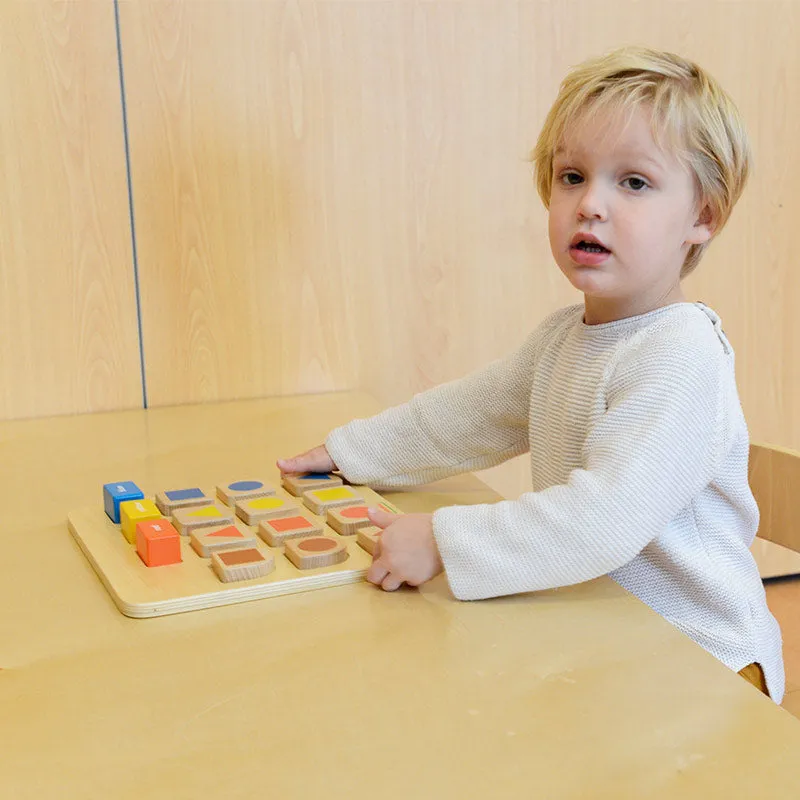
613,182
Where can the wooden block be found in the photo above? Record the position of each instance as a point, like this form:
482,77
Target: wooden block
349,519
231,493
253,511
133,511
306,481
320,500
385,505
158,543
316,551
116,493
188,520
168,502
368,538
206,541
242,565
276,531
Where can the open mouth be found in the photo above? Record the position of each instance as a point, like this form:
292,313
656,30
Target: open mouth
591,247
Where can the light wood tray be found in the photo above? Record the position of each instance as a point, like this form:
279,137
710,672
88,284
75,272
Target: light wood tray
140,591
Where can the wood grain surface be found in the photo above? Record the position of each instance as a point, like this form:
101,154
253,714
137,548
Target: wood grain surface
68,329
579,692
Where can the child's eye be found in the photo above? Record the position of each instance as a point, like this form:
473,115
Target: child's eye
636,183
567,178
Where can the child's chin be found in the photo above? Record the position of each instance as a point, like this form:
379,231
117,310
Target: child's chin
589,280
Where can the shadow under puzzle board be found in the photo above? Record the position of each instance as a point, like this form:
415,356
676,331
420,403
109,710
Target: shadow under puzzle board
141,591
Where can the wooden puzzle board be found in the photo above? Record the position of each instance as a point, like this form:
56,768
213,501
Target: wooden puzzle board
140,591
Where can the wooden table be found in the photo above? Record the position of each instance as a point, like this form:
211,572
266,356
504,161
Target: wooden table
346,692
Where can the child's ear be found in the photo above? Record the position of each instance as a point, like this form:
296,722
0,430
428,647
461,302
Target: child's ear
703,228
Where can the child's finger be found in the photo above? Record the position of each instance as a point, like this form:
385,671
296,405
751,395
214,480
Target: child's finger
380,575
315,460
296,464
380,518
377,572
390,583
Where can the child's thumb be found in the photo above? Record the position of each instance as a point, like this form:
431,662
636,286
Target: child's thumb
380,518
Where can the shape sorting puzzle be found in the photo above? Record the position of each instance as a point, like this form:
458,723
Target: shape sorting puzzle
185,548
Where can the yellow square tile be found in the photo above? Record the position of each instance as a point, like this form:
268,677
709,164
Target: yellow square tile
337,493
253,511
320,500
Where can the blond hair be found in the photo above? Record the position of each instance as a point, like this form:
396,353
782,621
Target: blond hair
699,119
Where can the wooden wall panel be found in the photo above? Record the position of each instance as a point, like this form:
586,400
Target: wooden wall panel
295,160
233,142
751,275
292,159
68,331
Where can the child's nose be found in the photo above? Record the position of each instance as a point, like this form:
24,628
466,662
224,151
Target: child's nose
592,203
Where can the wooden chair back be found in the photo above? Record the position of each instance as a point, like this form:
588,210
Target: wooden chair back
775,482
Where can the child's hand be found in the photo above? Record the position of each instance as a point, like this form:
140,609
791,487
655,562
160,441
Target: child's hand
315,460
407,551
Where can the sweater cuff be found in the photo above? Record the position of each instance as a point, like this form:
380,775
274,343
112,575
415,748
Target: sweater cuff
449,524
354,465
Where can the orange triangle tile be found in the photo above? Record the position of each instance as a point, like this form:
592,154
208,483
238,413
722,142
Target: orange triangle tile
230,533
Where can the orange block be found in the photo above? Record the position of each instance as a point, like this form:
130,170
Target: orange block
158,543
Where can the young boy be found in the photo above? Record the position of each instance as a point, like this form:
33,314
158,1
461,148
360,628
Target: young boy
627,403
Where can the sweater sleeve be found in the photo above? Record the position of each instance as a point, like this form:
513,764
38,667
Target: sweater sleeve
468,424
656,446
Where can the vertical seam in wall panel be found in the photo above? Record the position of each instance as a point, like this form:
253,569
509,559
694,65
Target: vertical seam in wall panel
130,203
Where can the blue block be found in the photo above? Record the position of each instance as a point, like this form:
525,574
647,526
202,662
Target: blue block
245,486
184,494
116,493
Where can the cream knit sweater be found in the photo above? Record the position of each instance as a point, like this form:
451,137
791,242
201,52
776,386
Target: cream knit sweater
639,453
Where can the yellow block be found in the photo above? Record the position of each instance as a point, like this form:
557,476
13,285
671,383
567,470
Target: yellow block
339,493
205,511
266,502
133,511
